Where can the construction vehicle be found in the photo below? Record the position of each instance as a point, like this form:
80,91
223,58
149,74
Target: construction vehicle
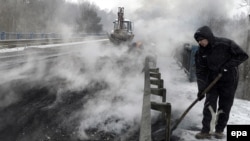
123,30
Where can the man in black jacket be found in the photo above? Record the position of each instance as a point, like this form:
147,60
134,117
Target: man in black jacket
216,55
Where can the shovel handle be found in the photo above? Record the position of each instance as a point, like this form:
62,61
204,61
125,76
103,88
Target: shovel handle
212,84
196,100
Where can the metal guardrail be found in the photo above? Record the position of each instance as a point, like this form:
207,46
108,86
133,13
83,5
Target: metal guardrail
14,39
185,56
19,36
153,77
30,42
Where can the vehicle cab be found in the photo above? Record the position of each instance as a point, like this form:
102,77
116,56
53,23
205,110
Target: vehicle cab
126,26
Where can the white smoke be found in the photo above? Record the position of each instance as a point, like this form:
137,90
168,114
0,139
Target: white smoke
162,25
172,23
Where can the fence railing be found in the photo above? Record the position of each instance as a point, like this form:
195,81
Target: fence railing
12,40
16,35
153,77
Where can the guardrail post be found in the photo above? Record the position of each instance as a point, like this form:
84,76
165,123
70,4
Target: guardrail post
187,60
7,35
168,121
34,36
165,108
12,35
2,35
145,130
53,35
31,35
18,35
192,69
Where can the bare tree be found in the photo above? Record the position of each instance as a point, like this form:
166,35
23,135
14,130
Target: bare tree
88,20
44,15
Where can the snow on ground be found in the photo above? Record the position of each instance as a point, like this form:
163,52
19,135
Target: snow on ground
181,93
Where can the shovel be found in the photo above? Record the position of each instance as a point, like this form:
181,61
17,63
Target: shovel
196,100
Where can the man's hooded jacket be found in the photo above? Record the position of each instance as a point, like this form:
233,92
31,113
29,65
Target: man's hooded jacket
220,54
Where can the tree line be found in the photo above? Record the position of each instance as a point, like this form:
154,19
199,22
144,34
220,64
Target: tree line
45,16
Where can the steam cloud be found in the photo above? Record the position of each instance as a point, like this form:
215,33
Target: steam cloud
162,26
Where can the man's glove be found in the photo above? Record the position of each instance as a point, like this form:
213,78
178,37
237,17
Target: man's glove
199,96
222,70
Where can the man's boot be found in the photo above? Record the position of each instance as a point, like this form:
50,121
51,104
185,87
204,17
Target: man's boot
219,135
203,135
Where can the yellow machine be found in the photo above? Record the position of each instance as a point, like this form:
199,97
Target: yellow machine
123,30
